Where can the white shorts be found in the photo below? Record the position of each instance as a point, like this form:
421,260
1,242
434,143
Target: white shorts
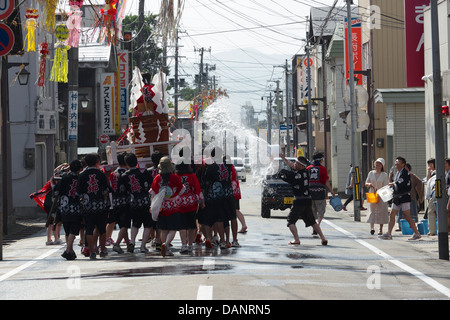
403,206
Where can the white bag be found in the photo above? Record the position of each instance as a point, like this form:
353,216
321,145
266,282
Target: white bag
157,202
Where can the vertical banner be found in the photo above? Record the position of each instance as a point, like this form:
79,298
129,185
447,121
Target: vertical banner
414,35
356,49
116,112
107,103
73,116
299,81
304,75
124,73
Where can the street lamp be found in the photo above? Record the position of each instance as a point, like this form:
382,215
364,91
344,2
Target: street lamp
84,101
23,75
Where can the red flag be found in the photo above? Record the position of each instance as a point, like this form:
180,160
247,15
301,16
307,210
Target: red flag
39,196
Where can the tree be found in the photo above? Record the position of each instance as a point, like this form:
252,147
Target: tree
188,94
151,53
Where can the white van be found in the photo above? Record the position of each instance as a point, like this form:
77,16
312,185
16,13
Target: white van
240,169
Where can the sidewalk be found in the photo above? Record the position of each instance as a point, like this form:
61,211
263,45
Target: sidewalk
22,229
427,243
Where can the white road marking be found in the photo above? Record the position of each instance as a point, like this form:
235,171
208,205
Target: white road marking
431,282
28,264
209,264
205,293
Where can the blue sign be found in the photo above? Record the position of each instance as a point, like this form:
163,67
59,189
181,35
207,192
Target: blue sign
6,39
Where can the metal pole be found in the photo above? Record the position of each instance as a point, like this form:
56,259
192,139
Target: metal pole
324,101
439,131
278,113
141,20
288,114
176,76
269,120
72,87
355,163
308,75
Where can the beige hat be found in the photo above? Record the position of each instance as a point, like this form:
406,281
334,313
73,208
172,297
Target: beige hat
166,166
381,160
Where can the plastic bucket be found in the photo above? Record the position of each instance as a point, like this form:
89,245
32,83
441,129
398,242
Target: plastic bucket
406,229
425,226
421,228
372,197
336,203
386,193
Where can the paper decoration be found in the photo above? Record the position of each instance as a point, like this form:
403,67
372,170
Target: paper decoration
168,21
107,23
74,25
137,84
60,68
78,3
49,14
160,91
43,63
31,23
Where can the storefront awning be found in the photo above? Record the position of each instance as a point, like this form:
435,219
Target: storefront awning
401,95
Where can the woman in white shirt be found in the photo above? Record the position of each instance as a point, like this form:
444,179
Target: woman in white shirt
378,212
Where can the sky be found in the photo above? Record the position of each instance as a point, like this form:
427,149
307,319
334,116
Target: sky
248,42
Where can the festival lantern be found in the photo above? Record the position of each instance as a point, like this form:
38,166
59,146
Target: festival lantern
60,68
43,63
31,23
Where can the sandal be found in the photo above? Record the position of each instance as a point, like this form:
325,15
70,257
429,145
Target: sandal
294,243
243,230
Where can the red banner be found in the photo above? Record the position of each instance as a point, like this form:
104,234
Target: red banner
414,19
356,49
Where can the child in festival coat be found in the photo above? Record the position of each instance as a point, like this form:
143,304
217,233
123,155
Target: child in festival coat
189,202
169,216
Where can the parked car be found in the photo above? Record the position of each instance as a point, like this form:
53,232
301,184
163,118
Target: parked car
276,194
240,168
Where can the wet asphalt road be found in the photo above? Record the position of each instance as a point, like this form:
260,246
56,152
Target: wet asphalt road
354,265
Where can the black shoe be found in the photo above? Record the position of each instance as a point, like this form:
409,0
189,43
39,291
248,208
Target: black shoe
65,255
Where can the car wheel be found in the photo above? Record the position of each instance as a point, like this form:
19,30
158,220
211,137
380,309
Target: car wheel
265,211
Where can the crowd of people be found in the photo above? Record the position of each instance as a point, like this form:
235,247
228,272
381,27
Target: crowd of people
409,195
198,202
201,202
310,183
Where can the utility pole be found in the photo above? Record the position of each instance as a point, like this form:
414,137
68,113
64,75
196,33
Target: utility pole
72,98
439,131
288,122
353,109
277,99
324,101
269,120
139,36
200,76
177,85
